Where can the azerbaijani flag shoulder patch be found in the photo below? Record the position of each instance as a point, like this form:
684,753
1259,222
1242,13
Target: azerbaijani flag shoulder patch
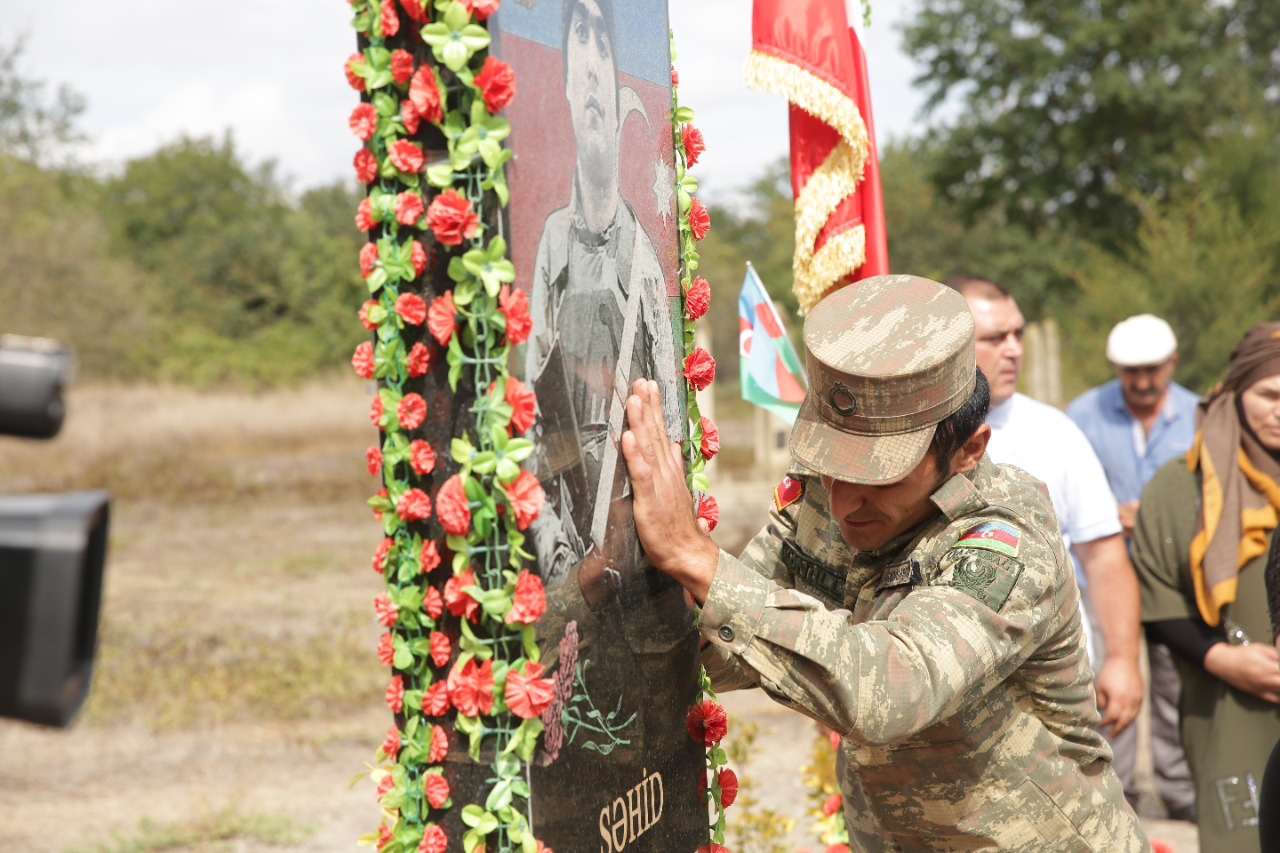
787,492
992,535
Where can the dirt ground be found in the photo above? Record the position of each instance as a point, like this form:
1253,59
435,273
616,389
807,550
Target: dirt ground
237,691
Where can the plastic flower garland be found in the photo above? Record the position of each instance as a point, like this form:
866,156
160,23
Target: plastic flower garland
706,720
485,663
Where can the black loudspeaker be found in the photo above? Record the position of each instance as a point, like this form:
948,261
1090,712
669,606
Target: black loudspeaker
33,372
52,552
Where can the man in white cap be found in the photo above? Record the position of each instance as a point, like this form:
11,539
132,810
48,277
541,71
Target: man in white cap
1044,442
1136,423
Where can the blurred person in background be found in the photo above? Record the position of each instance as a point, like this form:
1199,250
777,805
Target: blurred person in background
1045,443
1136,423
1202,532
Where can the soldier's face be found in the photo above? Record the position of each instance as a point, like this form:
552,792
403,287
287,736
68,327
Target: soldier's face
998,325
870,516
591,89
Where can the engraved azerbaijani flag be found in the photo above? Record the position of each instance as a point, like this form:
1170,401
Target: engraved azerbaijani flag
992,536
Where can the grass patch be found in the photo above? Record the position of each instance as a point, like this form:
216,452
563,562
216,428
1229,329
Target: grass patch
179,674
210,831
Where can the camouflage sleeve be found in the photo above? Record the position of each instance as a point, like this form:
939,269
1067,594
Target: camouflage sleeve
762,555
941,648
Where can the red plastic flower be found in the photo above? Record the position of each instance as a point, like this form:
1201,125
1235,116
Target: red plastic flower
365,320
373,459
412,410
436,787
527,694
440,648
709,510
389,21
402,66
460,602
387,610
362,360
424,94
675,78
837,848
366,166
526,497
408,208
384,835
693,144
831,805
368,259
435,700
418,257
834,738
522,403
391,746
380,556
451,218
353,79
409,117
452,508
699,368
376,411
471,687
707,723
395,694
481,9
406,156
365,217
514,305
697,298
411,308
419,359
699,219
439,746
530,600
442,318
381,493
385,785
413,8
434,839
497,83
710,438
363,121
414,505
728,787
421,457
386,649
712,847
432,602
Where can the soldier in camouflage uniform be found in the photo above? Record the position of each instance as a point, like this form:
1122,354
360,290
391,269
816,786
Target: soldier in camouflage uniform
946,648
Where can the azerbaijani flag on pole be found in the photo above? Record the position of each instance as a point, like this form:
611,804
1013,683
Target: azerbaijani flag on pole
772,375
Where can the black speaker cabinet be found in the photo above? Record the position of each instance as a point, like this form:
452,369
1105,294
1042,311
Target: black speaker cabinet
52,552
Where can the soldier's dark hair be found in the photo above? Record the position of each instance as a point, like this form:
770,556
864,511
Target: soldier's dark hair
977,286
956,428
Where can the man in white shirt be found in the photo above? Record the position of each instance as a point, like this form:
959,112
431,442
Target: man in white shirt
1045,442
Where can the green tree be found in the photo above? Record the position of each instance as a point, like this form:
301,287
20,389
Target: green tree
1070,112
34,125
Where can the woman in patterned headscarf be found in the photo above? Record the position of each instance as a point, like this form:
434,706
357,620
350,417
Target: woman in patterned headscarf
1199,545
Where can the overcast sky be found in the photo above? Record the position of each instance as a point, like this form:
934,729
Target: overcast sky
271,72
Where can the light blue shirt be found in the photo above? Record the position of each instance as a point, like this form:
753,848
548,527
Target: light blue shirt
1110,427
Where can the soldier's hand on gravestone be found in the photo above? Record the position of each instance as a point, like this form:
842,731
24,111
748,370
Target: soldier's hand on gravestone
663,507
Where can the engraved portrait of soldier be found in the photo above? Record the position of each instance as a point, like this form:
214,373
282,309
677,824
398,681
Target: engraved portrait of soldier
593,234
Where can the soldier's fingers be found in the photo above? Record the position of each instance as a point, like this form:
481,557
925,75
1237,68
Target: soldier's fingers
638,468
677,457
640,429
704,526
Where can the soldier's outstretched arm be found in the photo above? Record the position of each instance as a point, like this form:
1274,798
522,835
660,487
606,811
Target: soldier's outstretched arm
881,681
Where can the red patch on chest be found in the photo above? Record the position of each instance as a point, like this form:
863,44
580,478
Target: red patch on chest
787,492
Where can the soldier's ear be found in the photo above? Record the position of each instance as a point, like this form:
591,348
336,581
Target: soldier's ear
970,453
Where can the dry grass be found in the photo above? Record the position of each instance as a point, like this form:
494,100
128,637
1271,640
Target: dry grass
207,830
172,442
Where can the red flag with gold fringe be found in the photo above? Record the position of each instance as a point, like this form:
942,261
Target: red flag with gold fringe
805,51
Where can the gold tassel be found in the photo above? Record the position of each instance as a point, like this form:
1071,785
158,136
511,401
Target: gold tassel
816,274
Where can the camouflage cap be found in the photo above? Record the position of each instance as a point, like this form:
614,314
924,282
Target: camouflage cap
887,358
